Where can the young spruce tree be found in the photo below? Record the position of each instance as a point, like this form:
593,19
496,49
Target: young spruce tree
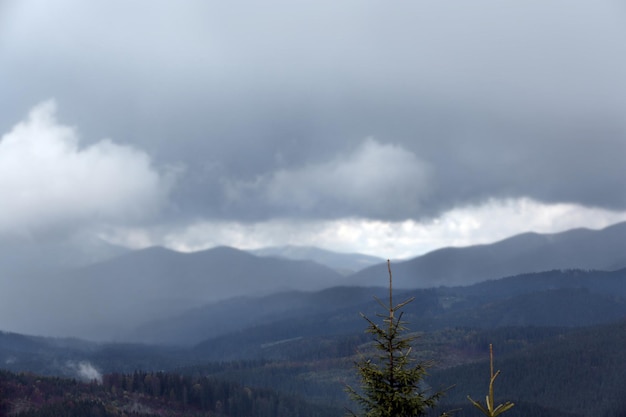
392,381
488,409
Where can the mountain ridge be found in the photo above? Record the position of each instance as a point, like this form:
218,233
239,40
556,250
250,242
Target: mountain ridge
156,282
526,252
109,299
344,262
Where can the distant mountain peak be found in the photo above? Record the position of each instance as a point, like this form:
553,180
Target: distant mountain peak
345,263
527,252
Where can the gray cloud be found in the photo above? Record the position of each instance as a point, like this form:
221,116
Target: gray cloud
267,106
374,180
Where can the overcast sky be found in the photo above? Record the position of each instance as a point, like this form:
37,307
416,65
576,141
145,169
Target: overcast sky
390,128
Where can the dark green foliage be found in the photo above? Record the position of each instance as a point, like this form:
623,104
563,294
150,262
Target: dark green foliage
580,372
146,394
78,408
392,381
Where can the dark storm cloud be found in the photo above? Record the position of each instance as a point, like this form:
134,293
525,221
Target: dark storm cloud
323,110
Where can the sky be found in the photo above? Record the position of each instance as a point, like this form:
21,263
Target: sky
388,128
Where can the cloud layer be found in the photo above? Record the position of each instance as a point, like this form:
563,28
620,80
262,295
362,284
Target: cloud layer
48,181
466,104
485,223
372,181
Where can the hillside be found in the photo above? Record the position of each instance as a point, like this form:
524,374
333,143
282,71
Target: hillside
106,300
552,298
534,320
529,252
199,323
236,328
589,364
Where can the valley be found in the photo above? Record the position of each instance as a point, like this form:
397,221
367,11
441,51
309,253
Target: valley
290,343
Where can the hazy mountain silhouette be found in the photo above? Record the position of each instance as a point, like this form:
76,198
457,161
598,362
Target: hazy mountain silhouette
108,299
551,298
104,300
23,255
571,298
247,327
529,252
346,263
199,323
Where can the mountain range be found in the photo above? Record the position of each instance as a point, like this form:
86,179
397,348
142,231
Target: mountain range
106,300
287,325
528,252
131,295
251,322
557,334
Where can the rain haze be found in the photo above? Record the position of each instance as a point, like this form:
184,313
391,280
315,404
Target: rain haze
385,128
202,200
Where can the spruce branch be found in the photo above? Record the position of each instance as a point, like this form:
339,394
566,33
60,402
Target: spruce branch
488,409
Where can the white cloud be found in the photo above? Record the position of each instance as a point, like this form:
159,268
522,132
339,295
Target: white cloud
486,223
85,371
375,179
48,181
